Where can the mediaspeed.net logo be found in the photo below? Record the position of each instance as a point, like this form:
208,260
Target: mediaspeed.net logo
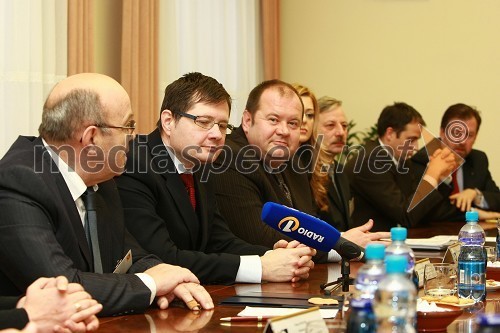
289,224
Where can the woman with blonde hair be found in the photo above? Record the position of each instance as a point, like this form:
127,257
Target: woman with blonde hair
305,151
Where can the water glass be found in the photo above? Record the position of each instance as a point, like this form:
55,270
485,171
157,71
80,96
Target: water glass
491,253
440,280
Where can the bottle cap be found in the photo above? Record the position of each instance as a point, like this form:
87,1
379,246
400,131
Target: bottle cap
398,234
472,216
396,263
488,320
375,251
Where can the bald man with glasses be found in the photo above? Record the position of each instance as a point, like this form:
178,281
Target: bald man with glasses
172,211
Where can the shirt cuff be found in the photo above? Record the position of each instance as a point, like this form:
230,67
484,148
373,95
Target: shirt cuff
430,180
250,270
333,256
150,283
480,201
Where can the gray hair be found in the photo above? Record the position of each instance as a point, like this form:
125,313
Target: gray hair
64,116
326,102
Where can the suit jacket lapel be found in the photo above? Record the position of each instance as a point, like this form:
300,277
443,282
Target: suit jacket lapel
62,192
103,216
163,165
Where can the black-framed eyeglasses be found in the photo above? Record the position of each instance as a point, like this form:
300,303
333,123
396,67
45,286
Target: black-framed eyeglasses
129,127
207,122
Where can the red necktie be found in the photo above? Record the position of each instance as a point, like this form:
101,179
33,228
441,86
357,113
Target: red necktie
454,181
188,180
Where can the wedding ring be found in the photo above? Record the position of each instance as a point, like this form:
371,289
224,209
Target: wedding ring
193,304
78,306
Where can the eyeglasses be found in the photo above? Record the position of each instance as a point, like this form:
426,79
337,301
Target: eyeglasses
207,122
129,127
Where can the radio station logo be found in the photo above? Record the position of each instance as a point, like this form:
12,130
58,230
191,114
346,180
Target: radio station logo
291,224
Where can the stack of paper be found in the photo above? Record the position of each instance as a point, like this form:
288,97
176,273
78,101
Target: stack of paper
440,242
251,311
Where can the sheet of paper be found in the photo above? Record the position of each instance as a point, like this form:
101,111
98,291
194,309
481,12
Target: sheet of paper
436,242
267,311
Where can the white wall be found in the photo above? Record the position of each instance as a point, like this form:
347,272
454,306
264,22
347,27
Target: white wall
370,53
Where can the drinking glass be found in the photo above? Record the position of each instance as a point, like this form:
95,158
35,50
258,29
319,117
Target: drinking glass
440,280
491,253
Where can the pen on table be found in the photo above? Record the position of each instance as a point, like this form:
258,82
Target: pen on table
248,318
255,324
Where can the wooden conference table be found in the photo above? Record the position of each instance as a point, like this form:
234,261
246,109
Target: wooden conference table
179,319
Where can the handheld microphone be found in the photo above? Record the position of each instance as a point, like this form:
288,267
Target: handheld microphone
310,231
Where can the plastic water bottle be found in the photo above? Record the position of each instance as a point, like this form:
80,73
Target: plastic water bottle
472,260
399,247
371,273
488,323
361,319
395,300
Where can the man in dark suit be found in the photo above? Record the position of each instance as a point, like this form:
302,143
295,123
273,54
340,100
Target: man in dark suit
472,184
256,167
330,186
54,222
381,178
51,305
163,185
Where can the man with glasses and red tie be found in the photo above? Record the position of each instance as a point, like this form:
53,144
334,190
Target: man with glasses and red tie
172,212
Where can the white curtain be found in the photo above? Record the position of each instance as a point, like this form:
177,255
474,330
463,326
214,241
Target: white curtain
32,59
219,38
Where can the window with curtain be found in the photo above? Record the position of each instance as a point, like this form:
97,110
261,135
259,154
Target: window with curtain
32,59
220,38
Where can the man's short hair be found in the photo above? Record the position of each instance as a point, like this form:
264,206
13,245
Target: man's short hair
63,117
190,89
397,116
460,111
283,88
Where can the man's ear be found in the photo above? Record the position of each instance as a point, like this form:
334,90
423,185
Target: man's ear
89,136
390,134
246,121
441,133
166,119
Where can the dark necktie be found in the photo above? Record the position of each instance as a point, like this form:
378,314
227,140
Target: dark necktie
284,188
336,188
188,180
91,228
454,181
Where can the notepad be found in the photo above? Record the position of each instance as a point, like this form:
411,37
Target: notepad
250,311
440,242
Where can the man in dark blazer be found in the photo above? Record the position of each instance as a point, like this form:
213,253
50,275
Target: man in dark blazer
381,178
183,224
474,185
257,166
44,181
329,184
51,304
